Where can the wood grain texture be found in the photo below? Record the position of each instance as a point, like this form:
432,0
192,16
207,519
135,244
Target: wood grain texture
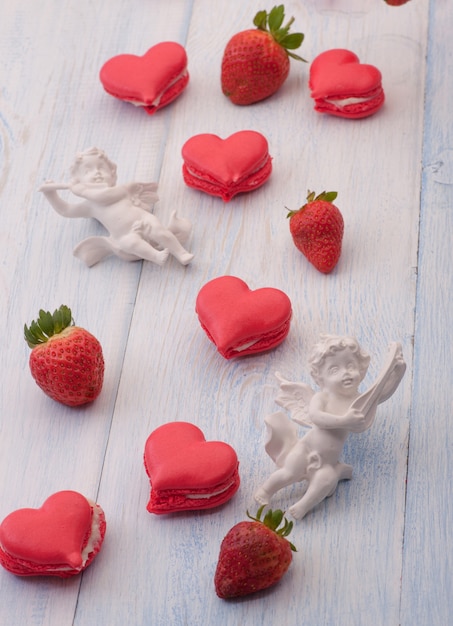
375,553
427,569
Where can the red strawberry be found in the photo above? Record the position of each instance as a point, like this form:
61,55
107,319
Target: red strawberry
256,62
253,555
317,230
66,361
396,3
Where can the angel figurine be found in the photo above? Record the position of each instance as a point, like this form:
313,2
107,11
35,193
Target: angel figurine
338,366
124,210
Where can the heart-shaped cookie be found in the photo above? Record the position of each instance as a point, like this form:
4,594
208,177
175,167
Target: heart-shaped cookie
342,86
226,167
241,321
151,81
60,538
187,472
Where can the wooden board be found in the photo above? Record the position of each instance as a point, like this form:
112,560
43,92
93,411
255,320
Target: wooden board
378,551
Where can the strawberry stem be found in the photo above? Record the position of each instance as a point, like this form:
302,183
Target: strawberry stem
47,325
272,23
325,196
272,520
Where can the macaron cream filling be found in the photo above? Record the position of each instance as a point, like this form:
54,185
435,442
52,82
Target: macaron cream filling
156,101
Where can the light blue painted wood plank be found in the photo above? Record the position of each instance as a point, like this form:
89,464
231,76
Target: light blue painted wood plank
52,105
349,565
428,547
161,366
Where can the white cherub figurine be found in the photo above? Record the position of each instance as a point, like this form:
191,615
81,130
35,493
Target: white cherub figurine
124,210
338,365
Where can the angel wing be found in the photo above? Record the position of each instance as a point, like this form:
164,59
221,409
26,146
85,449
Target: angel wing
93,249
281,436
295,398
143,194
392,373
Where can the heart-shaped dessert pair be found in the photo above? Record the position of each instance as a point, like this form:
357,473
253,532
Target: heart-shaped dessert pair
151,81
187,472
342,86
226,167
241,321
61,538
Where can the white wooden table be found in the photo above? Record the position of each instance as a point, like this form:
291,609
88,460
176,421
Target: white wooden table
379,552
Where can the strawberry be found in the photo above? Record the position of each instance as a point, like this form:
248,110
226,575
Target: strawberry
317,230
255,62
396,3
253,555
66,361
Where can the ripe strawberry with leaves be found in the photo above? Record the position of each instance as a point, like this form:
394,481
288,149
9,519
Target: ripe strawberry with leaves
255,62
66,361
253,555
317,230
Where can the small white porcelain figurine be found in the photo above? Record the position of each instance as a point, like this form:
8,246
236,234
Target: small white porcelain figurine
338,366
124,210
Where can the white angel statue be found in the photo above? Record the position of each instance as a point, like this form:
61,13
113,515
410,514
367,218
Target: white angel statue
124,210
338,366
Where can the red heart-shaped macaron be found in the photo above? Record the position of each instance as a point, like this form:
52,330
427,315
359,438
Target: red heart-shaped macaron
226,160
152,80
339,72
242,321
343,86
186,471
52,534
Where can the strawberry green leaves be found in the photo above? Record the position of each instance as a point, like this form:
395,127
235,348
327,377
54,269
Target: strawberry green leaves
47,325
272,520
272,22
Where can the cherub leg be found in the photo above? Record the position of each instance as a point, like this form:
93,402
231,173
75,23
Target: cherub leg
168,240
344,471
180,227
134,244
322,483
278,480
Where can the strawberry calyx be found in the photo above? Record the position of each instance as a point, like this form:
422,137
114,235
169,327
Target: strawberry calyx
325,196
272,23
47,325
272,520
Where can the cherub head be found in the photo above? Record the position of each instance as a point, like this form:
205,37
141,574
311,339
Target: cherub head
93,167
338,363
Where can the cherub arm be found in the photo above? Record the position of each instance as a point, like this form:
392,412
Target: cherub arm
100,195
352,420
66,209
140,194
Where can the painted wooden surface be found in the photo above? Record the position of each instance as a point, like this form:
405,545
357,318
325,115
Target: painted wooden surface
379,551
